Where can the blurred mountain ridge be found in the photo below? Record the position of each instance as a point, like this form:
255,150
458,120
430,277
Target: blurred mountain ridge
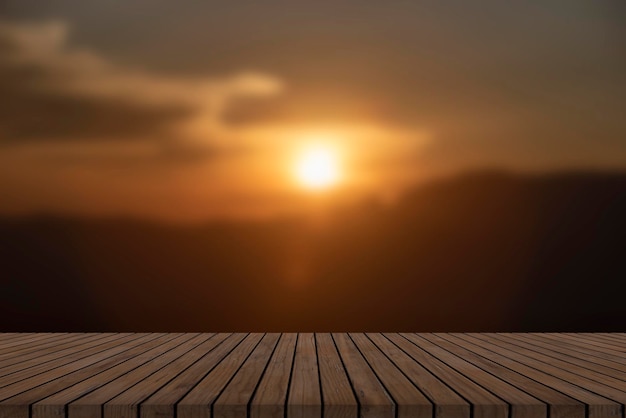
482,251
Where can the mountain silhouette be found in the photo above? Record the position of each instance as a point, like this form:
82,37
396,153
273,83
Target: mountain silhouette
482,251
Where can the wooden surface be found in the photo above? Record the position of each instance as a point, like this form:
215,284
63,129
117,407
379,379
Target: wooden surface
312,375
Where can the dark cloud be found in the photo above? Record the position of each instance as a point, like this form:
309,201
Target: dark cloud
168,154
548,76
30,112
53,90
31,109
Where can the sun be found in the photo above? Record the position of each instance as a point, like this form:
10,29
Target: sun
317,167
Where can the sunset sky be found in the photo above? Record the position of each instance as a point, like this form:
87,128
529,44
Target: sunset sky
191,110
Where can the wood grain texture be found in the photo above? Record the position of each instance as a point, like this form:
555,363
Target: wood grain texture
16,373
304,400
600,364
484,403
271,394
560,405
127,403
522,404
597,405
337,395
374,400
586,365
408,398
448,404
38,355
339,375
51,406
163,402
198,402
234,399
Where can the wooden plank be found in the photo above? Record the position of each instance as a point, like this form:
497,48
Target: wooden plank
447,403
544,362
13,348
592,348
484,404
37,354
608,364
7,335
17,397
163,402
606,337
51,341
409,400
197,403
271,395
609,338
338,375
586,352
33,343
126,404
521,403
9,340
90,405
583,363
559,405
54,367
304,398
53,406
234,399
598,406
337,396
374,401
592,340
617,336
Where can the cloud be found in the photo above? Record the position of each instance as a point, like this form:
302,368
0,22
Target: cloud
55,92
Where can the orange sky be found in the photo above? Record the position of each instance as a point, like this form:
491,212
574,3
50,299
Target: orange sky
147,110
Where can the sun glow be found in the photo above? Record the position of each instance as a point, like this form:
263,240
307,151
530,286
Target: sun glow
317,167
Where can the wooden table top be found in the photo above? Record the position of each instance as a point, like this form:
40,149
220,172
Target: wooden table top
192,375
